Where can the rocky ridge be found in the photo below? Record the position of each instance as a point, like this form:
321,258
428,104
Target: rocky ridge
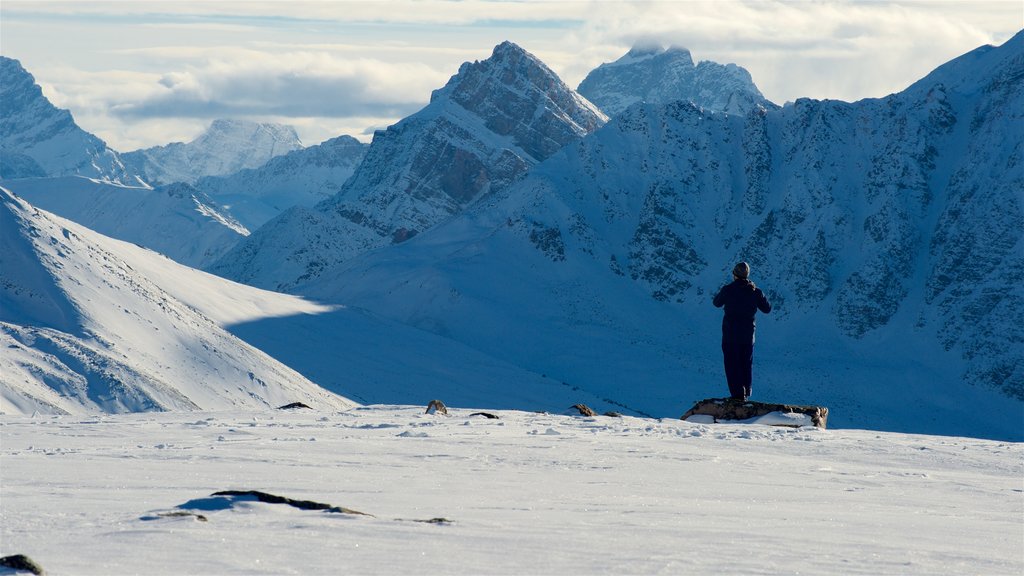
480,133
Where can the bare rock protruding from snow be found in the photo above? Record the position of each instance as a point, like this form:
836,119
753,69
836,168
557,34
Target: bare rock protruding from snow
436,406
301,177
19,563
225,147
175,220
480,133
82,331
729,409
657,75
38,139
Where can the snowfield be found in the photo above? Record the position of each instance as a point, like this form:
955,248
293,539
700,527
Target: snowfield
528,493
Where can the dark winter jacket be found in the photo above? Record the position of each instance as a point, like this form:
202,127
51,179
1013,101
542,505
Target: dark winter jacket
741,300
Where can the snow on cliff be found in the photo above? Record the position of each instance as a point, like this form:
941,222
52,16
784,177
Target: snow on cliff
38,139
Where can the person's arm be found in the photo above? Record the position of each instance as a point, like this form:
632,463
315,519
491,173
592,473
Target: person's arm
762,302
719,300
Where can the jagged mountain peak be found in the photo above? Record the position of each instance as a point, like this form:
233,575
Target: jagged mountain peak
481,132
225,147
652,73
517,95
39,139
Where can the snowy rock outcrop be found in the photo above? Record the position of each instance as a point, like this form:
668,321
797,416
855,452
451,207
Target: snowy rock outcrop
38,139
176,220
657,75
299,178
82,331
480,133
227,146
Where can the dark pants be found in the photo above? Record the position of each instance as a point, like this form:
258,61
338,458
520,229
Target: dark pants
739,358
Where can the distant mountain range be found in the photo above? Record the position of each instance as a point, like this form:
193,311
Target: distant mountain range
226,147
511,219
301,177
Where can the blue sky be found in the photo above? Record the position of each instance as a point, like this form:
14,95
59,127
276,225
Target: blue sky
141,73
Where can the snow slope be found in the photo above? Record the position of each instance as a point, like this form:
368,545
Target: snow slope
83,331
94,324
39,139
525,494
301,177
480,133
882,230
176,220
226,147
659,75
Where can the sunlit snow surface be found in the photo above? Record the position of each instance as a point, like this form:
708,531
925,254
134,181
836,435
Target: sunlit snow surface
526,493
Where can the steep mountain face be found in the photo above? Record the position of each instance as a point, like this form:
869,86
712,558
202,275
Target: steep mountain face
176,220
480,133
82,331
38,139
886,232
658,75
301,177
227,146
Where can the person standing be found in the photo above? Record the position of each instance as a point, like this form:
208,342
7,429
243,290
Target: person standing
741,299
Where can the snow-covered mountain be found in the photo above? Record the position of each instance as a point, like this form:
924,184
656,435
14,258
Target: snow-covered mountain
226,147
38,139
887,232
92,324
657,75
84,331
480,133
301,177
176,220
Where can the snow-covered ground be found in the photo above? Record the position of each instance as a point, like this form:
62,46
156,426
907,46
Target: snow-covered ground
527,493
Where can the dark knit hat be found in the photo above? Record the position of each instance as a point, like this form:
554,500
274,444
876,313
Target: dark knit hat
741,270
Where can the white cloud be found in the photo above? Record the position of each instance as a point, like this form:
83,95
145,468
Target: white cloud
144,73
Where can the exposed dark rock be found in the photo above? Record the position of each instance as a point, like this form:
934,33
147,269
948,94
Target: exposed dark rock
584,410
176,514
613,414
21,562
438,406
731,409
300,504
293,406
484,414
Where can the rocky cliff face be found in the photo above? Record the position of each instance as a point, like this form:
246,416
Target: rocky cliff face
658,75
299,178
480,133
38,139
226,147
